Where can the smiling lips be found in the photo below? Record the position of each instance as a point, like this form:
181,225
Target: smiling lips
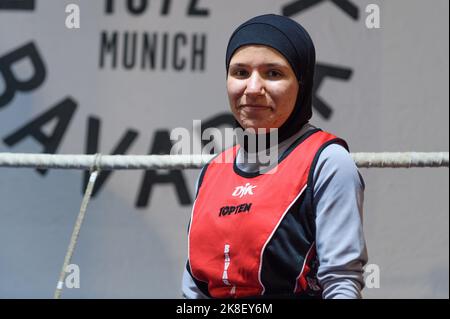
254,107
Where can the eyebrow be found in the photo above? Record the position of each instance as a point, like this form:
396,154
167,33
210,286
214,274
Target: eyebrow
270,65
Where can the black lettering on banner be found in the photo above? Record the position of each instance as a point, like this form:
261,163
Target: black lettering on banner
162,145
198,52
12,85
166,7
138,8
17,5
178,64
164,52
92,147
128,63
107,45
194,11
300,5
109,6
321,72
63,112
149,51
155,50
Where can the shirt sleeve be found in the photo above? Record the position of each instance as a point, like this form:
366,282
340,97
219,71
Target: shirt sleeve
189,289
340,243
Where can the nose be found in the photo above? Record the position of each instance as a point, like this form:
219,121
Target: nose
255,85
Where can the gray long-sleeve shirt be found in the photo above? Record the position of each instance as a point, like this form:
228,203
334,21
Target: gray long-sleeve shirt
338,201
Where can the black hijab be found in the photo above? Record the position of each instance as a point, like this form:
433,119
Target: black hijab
294,43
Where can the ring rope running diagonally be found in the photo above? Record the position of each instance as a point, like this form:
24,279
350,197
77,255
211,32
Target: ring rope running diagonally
94,171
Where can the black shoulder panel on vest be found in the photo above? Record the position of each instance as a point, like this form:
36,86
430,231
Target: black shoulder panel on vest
310,188
286,251
285,254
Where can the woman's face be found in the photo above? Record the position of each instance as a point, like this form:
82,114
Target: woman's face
262,87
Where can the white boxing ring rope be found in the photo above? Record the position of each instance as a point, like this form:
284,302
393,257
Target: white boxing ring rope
98,162
110,162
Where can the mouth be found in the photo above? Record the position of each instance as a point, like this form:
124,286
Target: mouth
254,107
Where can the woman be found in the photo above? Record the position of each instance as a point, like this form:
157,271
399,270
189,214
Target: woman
293,229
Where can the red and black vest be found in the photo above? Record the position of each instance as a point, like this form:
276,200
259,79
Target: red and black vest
253,235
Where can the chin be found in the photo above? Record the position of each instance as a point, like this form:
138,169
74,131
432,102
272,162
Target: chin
254,126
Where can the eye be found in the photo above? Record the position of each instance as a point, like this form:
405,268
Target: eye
274,74
239,73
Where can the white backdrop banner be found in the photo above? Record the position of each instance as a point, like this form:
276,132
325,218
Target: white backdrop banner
117,76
